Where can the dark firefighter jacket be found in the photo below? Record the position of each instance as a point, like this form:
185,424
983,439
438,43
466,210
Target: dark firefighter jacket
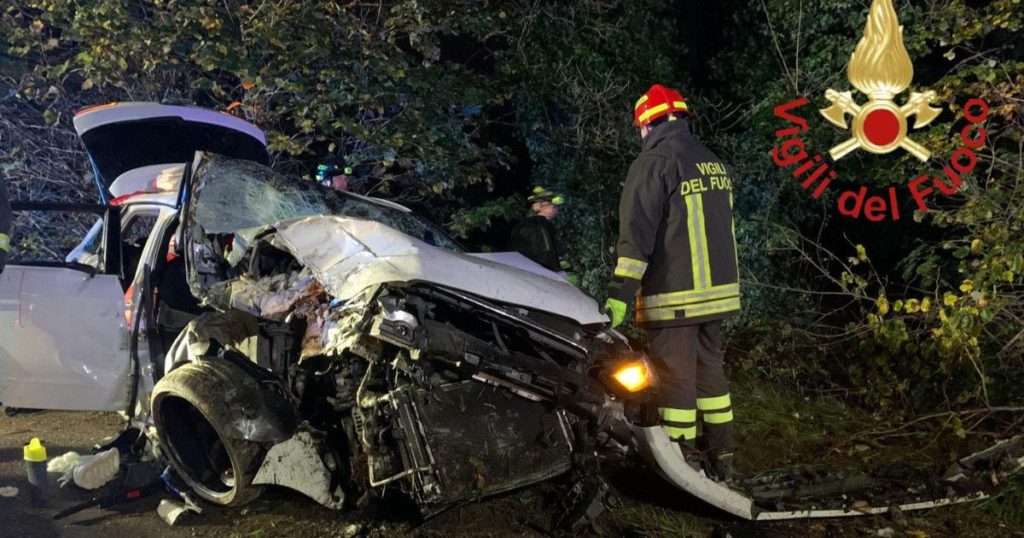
677,240
536,238
6,223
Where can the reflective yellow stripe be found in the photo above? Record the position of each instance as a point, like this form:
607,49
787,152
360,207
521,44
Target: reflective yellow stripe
5,242
640,101
678,415
713,307
630,268
653,111
691,229
717,402
718,418
657,314
668,313
702,240
690,296
679,104
674,433
735,249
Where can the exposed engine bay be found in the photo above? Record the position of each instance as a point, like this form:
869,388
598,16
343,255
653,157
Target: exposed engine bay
441,394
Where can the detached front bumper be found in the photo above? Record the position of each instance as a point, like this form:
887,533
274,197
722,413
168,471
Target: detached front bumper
666,457
968,480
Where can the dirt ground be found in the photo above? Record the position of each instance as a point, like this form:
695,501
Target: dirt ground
648,506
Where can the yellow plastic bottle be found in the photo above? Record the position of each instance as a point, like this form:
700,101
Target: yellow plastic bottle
35,466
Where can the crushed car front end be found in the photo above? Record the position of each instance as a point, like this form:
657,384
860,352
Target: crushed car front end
353,349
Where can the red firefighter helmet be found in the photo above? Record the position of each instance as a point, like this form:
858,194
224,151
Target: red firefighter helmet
657,102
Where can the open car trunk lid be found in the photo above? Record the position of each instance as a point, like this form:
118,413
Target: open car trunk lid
120,137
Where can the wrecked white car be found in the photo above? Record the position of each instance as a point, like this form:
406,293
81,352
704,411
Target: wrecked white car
353,346
335,344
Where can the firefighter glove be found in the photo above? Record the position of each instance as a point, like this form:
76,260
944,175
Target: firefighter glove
5,245
616,309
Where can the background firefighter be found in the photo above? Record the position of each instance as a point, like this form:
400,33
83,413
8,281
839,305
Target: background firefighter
536,237
334,173
677,248
6,224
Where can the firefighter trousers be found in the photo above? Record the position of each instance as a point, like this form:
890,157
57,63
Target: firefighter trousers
688,361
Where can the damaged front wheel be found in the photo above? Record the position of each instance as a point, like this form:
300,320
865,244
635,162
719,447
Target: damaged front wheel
189,411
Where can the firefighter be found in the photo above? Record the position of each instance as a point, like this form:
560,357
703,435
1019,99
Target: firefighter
6,224
677,258
536,237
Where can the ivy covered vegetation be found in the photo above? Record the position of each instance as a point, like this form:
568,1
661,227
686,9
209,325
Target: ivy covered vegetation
459,107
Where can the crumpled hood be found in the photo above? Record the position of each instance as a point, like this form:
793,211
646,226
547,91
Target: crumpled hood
349,255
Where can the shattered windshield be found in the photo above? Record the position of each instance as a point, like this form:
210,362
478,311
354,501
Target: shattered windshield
233,195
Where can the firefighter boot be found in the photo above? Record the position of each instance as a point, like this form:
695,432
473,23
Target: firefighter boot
691,454
719,466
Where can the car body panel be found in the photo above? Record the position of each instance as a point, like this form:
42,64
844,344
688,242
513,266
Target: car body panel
64,335
121,137
517,260
59,355
350,255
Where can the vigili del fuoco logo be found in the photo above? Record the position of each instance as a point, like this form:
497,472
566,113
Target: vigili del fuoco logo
879,68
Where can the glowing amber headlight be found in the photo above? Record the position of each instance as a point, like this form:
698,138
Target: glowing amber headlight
634,376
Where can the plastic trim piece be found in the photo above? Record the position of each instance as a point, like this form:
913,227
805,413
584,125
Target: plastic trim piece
668,460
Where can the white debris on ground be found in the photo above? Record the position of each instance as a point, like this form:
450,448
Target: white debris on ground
8,491
64,463
95,471
171,511
86,472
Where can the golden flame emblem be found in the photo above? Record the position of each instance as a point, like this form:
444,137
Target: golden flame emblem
880,68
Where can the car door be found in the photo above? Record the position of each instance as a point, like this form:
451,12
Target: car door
63,341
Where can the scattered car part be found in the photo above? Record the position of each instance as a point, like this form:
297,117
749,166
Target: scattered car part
123,496
172,511
302,463
581,504
788,495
